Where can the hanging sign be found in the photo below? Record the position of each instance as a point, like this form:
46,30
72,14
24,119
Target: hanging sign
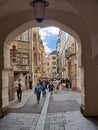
62,69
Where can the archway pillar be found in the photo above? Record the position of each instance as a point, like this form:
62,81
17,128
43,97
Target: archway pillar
5,96
4,78
89,95
1,67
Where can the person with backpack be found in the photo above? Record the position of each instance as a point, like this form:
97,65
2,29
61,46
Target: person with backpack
37,91
19,90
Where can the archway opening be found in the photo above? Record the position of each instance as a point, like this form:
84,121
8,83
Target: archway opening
46,23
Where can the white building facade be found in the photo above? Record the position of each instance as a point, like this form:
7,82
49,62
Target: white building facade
69,59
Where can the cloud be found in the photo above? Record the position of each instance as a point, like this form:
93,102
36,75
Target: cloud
48,34
53,30
43,34
48,31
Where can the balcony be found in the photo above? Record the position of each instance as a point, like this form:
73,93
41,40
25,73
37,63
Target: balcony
21,67
69,53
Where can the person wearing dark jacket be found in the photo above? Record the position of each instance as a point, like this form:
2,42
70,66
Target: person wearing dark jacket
44,84
68,83
51,87
19,90
30,84
63,83
37,91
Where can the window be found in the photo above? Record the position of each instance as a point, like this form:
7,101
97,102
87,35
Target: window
54,63
34,37
25,61
53,57
18,60
53,73
24,36
53,67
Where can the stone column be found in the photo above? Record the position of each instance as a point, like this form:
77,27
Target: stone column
1,67
5,63
89,95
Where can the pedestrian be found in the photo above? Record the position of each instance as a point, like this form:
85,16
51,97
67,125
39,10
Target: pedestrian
51,87
44,86
68,83
40,81
30,84
63,83
57,83
54,83
37,91
19,90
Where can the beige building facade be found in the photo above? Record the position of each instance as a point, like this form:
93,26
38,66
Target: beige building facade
20,60
48,67
39,56
27,55
52,64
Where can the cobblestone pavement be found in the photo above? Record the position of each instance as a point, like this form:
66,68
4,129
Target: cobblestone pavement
64,101
30,106
69,121
18,121
64,113
23,115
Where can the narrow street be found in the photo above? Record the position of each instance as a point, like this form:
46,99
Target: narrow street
60,111
30,105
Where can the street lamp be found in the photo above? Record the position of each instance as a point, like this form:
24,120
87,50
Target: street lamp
39,9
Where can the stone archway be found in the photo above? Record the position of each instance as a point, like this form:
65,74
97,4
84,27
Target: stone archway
87,62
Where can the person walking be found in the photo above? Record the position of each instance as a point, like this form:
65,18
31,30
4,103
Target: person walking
68,83
51,87
37,91
63,84
44,86
19,90
30,84
57,83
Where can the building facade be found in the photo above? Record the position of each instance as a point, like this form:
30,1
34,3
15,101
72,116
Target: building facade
39,56
52,64
69,56
27,55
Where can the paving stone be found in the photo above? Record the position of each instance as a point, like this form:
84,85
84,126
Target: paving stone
64,113
59,117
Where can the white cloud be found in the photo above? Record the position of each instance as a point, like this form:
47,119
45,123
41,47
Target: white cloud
53,30
48,31
43,34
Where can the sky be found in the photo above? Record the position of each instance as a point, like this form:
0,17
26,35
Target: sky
49,36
